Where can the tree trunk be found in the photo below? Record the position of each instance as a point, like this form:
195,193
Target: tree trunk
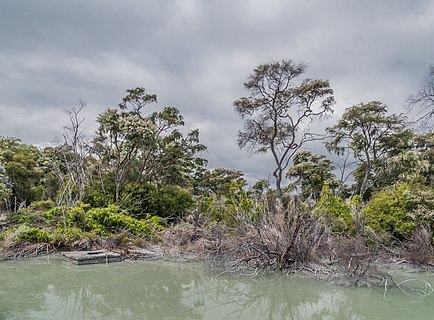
278,176
364,185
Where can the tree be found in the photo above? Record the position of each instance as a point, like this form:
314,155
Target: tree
260,188
278,111
218,180
409,160
365,129
424,100
132,146
69,160
311,172
23,171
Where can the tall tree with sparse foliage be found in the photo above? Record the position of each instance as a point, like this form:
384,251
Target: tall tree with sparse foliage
278,111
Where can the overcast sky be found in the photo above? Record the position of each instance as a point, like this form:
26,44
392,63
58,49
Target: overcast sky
196,54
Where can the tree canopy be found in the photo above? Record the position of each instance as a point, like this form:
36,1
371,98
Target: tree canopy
134,146
364,129
311,171
278,110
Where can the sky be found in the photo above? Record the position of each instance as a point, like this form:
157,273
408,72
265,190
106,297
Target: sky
196,55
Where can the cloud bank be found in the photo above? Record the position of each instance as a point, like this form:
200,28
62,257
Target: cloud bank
195,55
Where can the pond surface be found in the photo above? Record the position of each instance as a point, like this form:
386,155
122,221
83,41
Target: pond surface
47,288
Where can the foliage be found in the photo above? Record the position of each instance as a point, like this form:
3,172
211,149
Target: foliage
134,146
22,171
335,211
99,194
169,202
411,166
397,210
5,188
63,226
259,188
105,221
408,159
219,180
365,130
231,208
311,172
42,205
35,235
278,111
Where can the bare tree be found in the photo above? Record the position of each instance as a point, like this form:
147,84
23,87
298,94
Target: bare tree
423,100
73,156
278,111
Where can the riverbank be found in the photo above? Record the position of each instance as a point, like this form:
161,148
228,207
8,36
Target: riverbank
288,241
373,269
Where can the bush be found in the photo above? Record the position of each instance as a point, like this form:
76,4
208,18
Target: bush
21,216
170,202
335,211
232,208
97,199
76,216
106,221
79,226
42,205
35,235
397,210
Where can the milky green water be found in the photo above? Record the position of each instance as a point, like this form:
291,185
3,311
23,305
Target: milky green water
47,288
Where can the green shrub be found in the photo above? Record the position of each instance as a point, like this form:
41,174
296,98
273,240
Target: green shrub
335,211
76,216
397,210
169,202
70,234
106,221
230,208
35,235
37,193
216,210
64,226
97,199
42,205
21,216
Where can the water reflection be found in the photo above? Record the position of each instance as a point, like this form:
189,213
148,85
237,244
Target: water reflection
49,289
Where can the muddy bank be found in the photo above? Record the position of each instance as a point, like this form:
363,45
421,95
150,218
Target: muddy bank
373,271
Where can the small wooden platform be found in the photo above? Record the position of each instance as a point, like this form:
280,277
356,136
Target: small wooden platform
91,257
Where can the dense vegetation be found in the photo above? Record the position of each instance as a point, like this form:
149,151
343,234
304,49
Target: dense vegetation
142,174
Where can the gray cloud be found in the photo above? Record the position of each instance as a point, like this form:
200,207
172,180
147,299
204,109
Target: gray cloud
195,55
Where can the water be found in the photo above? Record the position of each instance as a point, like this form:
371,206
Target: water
47,288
